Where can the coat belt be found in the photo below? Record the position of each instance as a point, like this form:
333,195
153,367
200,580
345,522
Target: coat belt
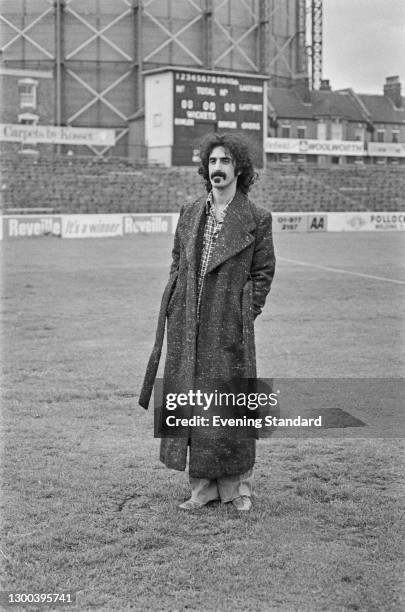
248,331
154,359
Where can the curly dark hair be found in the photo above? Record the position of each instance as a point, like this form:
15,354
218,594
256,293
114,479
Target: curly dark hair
240,153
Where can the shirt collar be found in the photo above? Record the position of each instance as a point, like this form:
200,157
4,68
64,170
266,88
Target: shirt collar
210,203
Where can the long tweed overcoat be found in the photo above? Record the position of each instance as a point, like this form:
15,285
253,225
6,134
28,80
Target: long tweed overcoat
221,345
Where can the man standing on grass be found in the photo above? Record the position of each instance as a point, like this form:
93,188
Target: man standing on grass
222,269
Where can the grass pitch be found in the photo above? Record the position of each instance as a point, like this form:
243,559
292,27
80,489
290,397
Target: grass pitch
87,506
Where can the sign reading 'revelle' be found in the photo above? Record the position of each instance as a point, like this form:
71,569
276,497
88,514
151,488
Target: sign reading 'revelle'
53,134
31,226
148,224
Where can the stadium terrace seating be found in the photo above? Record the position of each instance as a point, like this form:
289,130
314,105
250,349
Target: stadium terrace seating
91,185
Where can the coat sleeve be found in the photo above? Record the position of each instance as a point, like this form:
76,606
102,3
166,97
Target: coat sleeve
263,263
176,248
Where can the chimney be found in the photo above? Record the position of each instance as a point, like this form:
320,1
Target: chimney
301,87
392,90
325,85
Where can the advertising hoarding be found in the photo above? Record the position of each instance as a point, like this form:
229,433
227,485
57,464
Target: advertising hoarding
386,149
112,225
92,226
289,222
317,222
314,147
31,226
52,134
149,224
366,221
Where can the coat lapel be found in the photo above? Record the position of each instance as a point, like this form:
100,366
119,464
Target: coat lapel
235,234
193,235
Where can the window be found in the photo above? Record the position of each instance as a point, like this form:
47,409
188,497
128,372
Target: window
301,132
27,89
321,130
380,135
359,133
28,119
395,135
285,131
336,130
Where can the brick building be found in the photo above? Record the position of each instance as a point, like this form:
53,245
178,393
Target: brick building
348,127
27,99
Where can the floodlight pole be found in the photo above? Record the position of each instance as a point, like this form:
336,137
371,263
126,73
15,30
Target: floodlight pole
59,6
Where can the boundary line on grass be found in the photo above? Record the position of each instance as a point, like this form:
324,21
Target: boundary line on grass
341,271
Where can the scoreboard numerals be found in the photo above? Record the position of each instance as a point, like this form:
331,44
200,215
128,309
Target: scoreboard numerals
187,104
230,107
208,106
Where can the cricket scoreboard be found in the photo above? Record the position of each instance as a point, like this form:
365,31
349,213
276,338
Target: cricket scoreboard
182,106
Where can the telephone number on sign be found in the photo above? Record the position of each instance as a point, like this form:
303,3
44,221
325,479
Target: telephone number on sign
44,598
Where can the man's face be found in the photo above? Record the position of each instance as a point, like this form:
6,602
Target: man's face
221,168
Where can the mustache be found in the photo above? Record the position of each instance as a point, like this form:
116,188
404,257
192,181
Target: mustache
218,173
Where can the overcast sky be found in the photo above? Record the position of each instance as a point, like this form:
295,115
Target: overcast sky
363,42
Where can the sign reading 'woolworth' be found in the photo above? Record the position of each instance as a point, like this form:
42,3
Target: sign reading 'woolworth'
53,134
314,147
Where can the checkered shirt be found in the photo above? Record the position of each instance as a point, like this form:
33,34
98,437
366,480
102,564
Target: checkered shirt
211,231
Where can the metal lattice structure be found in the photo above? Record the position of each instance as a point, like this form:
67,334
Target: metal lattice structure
98,49
315,41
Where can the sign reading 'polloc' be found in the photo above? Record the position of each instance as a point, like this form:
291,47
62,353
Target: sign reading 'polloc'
366,221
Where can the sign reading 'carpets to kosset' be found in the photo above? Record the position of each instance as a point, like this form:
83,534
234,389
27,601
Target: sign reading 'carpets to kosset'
53,134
